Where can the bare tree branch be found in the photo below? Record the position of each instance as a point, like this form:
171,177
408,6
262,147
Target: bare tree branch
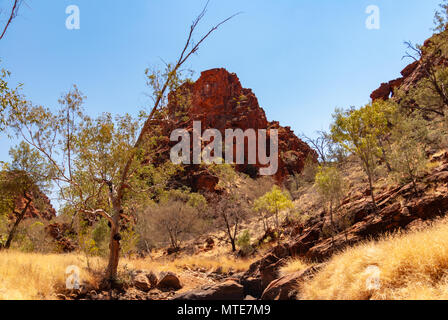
101,212
13,14
185,54
417,52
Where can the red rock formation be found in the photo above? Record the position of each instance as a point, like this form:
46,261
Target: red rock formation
410,75
59,231
15,183
40,207
218,101
386,90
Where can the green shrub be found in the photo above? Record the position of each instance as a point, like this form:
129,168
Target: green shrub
244,243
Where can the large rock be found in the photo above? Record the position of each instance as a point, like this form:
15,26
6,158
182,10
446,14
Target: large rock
228,290
169,280
218,101
264,271
286,288
40,206
252,286
145,281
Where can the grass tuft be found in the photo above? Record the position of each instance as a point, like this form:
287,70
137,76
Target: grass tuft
403,266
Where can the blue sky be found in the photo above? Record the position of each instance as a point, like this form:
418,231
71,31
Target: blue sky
302,58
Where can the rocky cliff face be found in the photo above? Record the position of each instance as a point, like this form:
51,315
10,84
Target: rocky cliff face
218,100
413,73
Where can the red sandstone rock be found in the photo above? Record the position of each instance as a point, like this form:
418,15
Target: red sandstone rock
413,73
59,231
218,101
40,207
286,288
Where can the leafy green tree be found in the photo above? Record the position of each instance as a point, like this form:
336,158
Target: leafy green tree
261,207
87,157
25,178
274,202
428,94
441,17
231,209
10,99
408,155
359,132
330,185
98,162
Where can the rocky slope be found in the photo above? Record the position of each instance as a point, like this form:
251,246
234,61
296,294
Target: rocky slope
399,207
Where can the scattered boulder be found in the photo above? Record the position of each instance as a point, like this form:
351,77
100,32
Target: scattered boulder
169,280
286,288
252,286
228,290
271,272
145,281
60,296
261,273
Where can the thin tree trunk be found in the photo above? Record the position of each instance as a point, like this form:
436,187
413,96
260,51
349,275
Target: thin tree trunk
332,223
276,220
229,233
232,241
372,194
16,223
112,268
235,233
384,157
170,234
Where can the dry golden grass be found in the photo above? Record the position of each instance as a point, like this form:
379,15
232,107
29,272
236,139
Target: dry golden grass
33,276
222,264
29,276
293,265
412,266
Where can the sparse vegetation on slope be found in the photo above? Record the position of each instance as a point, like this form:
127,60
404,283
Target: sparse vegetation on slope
412,266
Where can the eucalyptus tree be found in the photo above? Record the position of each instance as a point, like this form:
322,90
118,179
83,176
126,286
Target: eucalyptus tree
100,163
359,132
21,185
